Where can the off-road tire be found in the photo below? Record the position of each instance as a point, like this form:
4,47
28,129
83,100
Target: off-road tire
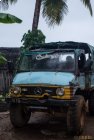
91,105
19,115
76,116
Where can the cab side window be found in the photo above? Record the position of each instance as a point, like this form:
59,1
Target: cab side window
88,64
81,62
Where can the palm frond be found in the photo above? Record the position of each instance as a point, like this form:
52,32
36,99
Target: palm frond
87,3
9,19
4,4
54,11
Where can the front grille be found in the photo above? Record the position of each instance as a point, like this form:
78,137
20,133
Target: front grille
36,90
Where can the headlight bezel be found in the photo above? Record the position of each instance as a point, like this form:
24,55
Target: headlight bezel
15,90
60,91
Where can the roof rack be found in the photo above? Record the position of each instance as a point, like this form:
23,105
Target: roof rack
64,45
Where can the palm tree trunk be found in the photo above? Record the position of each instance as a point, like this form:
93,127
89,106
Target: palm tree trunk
36,15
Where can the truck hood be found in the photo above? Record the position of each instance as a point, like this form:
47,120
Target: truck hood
51,78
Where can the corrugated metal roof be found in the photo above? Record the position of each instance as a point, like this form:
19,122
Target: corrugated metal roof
11,54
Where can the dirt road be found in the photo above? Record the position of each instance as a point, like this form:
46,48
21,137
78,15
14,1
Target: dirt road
41,127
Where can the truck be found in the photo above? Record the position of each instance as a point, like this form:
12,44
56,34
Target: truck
54,77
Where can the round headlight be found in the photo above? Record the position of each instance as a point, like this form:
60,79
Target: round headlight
60,91
15,90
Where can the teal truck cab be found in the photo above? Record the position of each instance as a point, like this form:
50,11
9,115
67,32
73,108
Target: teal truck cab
54,77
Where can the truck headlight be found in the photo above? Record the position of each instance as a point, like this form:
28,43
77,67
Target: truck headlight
60,91
15,90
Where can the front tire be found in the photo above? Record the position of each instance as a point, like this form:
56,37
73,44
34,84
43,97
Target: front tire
19,115
76,116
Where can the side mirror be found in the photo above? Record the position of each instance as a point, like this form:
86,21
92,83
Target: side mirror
10,67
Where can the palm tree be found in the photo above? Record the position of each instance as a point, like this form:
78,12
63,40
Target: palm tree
36,15
53,10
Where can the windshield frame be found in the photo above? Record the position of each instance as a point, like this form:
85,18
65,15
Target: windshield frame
46,52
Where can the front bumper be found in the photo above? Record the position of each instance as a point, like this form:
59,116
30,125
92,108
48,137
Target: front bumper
41,102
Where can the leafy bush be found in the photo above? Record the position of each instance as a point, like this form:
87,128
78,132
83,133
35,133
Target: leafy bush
2,98
31,38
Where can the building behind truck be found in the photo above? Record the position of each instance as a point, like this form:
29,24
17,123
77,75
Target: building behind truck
11,54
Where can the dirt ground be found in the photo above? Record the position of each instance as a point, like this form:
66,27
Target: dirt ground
42,126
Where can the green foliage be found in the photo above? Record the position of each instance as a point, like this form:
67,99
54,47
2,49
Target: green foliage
8,18
2,98
31,38
54,11
2,59
4,4
87,3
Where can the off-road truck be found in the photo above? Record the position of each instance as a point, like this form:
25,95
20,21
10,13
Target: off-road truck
54,77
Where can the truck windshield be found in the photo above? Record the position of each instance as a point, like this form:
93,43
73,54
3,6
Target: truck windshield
57,61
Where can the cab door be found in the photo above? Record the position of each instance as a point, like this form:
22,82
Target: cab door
81,60
84,68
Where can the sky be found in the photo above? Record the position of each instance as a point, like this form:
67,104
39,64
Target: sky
78,25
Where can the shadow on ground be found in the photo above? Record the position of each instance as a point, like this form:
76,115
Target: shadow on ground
41,126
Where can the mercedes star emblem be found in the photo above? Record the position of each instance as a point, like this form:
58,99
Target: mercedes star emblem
37,90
